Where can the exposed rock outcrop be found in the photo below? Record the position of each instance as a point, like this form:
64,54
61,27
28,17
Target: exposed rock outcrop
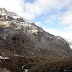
21,36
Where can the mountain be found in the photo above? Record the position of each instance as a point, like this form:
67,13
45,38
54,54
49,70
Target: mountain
24,37
70,44
24,41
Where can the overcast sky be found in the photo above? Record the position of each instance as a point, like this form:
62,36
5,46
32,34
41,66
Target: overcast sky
54,16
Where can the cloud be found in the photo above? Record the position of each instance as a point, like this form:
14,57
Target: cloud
16,6
66,18
49,30
70,27
65,34
39,7
31,9
52,19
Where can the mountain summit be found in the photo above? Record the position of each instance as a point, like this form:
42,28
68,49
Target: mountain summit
20,36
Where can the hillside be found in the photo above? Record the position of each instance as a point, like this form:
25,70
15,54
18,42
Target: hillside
24,43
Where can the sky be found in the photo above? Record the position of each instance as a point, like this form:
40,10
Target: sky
54,16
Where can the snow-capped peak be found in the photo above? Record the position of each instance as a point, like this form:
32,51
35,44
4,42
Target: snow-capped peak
2,10
6,14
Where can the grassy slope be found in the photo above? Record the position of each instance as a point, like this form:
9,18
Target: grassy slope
34,63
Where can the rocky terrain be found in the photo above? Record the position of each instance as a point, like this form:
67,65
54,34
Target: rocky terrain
29,47
70,44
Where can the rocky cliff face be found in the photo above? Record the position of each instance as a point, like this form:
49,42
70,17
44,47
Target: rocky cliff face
21,36
70,44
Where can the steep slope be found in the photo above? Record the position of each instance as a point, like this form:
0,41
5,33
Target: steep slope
23,37
70,44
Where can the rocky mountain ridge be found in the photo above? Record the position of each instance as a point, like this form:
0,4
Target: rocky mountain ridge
21,36
70,44
27,47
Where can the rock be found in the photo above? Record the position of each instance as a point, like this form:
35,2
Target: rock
21,36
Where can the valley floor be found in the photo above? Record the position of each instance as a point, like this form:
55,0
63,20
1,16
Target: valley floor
36,64
25,63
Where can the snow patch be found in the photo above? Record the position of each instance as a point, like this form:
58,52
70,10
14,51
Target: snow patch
70,46
34,31
6,58
18,28
2,13
3,57
6,23
59,38
15,17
